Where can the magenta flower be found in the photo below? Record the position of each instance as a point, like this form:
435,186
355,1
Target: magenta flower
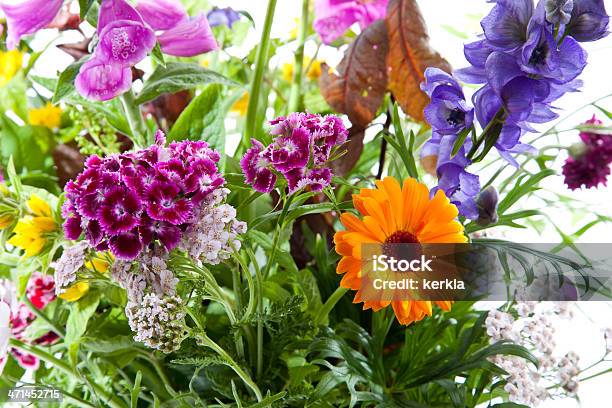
256,167
125,42
27,17
188,38
300,152
334,17
101,81
161,14
126,202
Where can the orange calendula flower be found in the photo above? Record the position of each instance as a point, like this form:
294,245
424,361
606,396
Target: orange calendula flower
393,214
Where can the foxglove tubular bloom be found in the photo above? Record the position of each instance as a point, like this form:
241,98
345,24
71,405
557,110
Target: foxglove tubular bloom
188,38
28,16
225,16
334,17
589,21
161,14
101,81
125,42
116,10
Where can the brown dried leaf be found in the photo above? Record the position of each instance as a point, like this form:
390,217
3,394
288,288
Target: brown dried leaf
354,146
409,55
359,86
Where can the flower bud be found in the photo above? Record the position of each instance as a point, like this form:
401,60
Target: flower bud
487,206
559,11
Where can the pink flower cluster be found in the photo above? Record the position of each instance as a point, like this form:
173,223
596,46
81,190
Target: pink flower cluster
589,165
126,202
300,152
40,291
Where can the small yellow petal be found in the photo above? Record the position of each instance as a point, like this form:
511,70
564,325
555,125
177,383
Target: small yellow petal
44,224
38,206
75,292
48,116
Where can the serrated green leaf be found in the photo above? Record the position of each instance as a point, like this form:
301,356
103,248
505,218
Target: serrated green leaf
178,76
65,82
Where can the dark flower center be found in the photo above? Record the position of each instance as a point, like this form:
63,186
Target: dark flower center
456,117
538,56
392,249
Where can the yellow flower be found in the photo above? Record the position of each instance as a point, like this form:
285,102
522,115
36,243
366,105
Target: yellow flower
48,116
294,31
314,71
38,206
30,231
5,221
241,105
394,214
205,63
10,63
30,234
101,262
287,71
75,292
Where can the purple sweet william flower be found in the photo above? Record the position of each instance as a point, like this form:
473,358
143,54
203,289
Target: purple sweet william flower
334,17
100,80
300,153
27,16
132,201
161,14
222,16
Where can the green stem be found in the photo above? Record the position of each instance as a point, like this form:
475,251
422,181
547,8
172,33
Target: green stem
256,84
259,280
110,399
208,342
596,375
329,305
134,119
484,134
298,72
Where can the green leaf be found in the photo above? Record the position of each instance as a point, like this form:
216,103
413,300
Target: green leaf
108,345
177,76
157,55
460,140
84,6
136,390
65,82
202,120
521,188
80,313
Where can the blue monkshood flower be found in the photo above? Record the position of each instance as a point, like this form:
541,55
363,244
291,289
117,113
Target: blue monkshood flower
460,186
448,112
223,16
589,21
559,11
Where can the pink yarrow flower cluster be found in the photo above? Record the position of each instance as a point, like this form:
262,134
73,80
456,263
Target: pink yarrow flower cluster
127,202
40,291
300,153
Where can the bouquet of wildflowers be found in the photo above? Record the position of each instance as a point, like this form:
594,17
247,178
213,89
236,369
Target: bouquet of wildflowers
187,215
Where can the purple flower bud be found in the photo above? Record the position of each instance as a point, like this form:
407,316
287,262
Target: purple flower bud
161,14
100,80
559,11
226,16
487,206
27,17
188,38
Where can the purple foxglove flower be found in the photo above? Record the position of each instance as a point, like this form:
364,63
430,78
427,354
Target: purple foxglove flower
559,11
120,211
161,14
116,10
255,165
589,21
126,246
334,17
188,38
165,204
27,17
448,112
125,42
101,81
291,152
225,16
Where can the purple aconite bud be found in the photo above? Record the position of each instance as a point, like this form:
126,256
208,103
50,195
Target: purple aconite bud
559,11
225,16
487,206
